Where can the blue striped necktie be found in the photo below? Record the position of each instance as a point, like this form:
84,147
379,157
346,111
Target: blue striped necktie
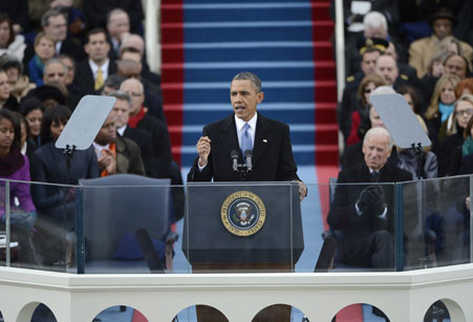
246,142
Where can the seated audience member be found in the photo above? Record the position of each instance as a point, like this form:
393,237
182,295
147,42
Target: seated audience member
466,164
92,72
441,107
368,66
112,84
54,71
155,128
32,111
19,84
130,65
10,43
96,13
387,68
75,18
118,25
56,205
15,166
7,100
361,114
364,213
136,41
449,151
457,65
44,50
116,154
421,51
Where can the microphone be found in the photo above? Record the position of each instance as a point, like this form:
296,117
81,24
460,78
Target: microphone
234,155
249,160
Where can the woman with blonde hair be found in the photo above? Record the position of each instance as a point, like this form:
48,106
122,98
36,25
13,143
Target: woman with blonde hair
441,106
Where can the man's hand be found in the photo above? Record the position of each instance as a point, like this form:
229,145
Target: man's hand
372,199
302,190
107,161
203,148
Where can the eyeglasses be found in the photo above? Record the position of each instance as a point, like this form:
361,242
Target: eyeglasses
468,112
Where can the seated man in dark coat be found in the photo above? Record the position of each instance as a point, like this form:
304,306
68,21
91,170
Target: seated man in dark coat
364,212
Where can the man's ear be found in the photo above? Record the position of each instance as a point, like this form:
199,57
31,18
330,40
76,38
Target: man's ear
259,97
86,48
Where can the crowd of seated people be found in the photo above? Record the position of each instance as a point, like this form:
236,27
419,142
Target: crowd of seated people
52,53
425,55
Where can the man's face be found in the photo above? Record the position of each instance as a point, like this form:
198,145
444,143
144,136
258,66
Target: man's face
376,151
54,72
368,63
244,98
121,111
457,66
128,55
129,68
442,28
134,88
386,67
56,28
108,132
97,48
118,25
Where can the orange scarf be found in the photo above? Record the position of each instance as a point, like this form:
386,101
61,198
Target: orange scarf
113,149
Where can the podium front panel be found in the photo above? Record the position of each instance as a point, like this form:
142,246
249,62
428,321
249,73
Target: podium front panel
247,224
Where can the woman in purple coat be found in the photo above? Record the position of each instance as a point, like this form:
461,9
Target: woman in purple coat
15,166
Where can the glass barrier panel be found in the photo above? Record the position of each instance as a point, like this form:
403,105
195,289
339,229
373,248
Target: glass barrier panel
41,224
242,227
442,232
126,223
357,227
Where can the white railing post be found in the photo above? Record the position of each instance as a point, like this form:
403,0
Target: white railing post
152,34
340,47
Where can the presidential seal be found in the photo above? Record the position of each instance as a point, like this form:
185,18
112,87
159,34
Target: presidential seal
243,213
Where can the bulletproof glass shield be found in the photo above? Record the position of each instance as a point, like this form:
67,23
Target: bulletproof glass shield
85,122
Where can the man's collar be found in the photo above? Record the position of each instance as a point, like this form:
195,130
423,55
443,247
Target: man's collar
95,67
252,122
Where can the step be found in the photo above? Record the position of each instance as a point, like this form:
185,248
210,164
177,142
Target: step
326,154
218,92
278,31
267,71
237,12
247,51
325,91
323,30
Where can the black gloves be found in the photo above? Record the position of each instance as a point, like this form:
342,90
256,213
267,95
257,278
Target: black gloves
372,200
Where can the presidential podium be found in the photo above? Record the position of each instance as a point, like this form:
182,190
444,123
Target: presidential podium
242,226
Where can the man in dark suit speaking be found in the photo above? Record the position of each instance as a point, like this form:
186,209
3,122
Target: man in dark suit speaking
364,212
228,140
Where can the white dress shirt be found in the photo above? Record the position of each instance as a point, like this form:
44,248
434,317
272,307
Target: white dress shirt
95,68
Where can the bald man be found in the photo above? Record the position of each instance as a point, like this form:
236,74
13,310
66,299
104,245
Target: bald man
365,212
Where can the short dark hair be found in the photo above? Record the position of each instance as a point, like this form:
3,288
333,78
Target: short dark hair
29,104
8,115
114,81
129,50
58,114
95,31
251,77
12,62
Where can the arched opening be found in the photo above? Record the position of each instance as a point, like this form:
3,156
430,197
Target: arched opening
279,312
200,312
120,313
360,312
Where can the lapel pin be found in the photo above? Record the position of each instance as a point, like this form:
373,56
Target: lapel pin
265,141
